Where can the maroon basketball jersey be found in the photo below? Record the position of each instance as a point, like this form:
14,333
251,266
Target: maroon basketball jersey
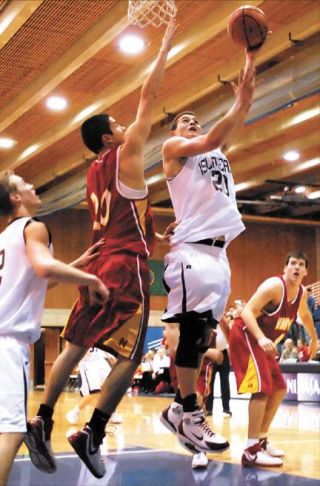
278,323
126,224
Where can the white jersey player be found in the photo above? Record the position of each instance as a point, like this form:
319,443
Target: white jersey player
197,272
94,368
26,262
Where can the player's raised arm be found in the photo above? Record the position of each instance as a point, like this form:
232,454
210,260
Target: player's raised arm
178,147
131,161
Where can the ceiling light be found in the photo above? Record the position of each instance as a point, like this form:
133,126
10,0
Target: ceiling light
56,103
314,195
291,156
30,150
300,189
131,44
6,142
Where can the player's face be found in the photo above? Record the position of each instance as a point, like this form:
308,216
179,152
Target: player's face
295,270
26,193
117,131
187,126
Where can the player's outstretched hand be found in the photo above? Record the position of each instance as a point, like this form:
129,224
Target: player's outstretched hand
89,255
246,82
168,35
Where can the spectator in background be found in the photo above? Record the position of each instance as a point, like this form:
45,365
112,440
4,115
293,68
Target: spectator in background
146,384
161,365
303,352
289,352
314,309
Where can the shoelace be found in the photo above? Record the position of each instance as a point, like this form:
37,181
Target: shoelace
204,426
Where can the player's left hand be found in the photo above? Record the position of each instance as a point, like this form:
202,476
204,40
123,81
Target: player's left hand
89,255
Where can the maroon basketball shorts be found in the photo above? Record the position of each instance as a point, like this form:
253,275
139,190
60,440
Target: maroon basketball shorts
120,325
255,371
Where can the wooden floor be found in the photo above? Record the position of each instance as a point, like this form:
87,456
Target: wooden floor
295,430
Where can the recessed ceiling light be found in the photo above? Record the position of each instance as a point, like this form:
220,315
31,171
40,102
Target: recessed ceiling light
6,142
291,155
131,44
300,189
56,103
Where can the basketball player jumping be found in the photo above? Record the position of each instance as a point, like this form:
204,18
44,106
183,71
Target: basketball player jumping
119,208
197,272
26,264
265,320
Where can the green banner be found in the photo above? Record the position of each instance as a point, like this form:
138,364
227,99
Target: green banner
156,275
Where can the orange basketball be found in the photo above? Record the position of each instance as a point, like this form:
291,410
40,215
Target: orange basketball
248,27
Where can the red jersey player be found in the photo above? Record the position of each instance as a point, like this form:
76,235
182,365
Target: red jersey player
120,212
264,321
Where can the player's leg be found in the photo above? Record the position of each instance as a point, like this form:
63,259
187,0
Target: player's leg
273,403
9,446
194,433
39,428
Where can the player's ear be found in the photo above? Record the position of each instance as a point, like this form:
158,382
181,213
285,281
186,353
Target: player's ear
107,138
15,198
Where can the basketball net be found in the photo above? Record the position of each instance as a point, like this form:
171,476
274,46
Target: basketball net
151,12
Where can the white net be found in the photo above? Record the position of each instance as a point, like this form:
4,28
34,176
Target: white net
151,12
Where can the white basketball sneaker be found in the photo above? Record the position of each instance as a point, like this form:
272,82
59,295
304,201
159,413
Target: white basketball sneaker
73,416
255,456
195,435
115,419
269,449
200,461
171,417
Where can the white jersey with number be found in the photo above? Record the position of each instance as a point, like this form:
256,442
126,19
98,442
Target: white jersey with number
22,292
203,198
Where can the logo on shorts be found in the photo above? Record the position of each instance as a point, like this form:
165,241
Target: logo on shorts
123,342
188,267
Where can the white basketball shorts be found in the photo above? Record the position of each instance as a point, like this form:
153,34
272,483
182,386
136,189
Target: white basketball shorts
198,279
14,388
93,374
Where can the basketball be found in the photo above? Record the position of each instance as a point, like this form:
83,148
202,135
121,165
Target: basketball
248,27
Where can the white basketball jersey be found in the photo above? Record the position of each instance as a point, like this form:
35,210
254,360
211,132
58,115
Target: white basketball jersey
22,292
203,198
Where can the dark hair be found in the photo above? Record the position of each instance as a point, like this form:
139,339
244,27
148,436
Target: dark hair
179,115
93,129
6,188
299,255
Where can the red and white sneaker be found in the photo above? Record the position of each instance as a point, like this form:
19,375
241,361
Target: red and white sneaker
37,440
269,449
82,442
171,417
195,435
255,456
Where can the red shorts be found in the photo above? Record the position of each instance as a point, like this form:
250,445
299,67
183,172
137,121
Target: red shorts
255,371
122,324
